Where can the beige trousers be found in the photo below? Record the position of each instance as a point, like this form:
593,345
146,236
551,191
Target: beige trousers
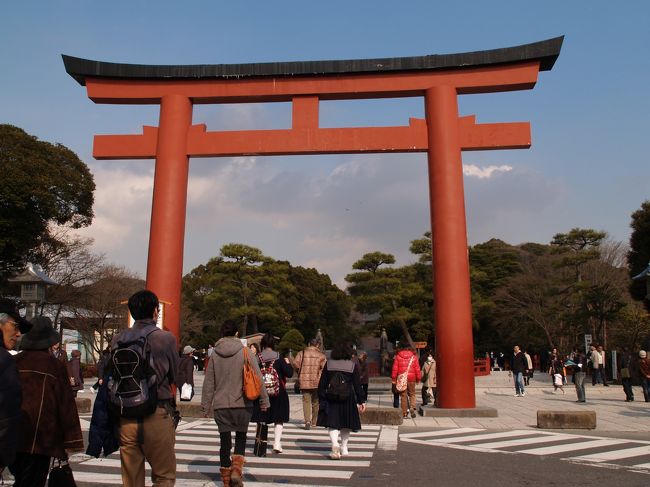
157,448
310,405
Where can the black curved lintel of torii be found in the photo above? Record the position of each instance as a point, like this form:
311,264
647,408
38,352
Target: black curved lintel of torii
546,52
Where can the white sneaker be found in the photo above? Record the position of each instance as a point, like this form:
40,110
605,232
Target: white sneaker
523,394
277,449
517,395
344,451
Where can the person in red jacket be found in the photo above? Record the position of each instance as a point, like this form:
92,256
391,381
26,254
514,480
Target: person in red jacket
406,362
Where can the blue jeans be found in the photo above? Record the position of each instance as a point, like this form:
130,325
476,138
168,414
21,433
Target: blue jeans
645,384
579,379
519,382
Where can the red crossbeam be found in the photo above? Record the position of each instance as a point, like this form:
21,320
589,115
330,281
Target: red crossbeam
410,138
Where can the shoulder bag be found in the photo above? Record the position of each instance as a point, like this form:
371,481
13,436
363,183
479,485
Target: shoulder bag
252,384
402,379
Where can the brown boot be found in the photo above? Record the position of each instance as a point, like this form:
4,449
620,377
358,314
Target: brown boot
237,477
225,475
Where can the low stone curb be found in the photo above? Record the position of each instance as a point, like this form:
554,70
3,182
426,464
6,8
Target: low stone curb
566,419
189,410
84,404
389,416
477,412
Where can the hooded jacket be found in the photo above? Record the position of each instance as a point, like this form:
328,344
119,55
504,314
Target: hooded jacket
400,364
223,383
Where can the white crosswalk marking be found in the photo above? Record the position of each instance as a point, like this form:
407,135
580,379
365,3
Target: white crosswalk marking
571,447
305,456
606,452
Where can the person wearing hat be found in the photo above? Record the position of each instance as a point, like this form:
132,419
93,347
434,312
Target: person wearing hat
644,369
12,326
49,426
186,369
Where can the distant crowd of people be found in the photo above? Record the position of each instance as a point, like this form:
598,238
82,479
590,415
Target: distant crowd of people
579,365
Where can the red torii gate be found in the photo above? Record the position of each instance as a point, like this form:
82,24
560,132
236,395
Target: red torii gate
443,135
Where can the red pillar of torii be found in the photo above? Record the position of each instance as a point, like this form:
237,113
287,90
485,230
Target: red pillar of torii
439,79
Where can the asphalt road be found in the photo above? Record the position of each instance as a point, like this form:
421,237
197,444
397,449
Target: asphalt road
419,465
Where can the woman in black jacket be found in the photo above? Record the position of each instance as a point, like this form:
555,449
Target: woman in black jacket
275,371
341,399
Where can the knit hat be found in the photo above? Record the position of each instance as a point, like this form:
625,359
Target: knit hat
642,353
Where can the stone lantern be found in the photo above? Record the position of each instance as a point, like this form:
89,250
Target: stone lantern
33,284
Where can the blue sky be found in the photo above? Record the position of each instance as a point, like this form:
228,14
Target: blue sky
589,116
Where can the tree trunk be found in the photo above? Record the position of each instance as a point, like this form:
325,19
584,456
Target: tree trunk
403,326
254,324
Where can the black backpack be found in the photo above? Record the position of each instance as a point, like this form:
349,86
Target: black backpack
133,385
338,387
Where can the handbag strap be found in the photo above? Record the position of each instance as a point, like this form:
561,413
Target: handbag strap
409,365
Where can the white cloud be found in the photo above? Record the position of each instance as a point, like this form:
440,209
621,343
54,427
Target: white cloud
473,170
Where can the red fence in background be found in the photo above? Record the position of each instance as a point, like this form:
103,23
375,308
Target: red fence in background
481,366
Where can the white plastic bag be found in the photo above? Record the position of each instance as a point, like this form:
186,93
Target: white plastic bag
557,379
186,392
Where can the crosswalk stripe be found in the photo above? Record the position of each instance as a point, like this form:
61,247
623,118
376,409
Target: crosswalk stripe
288,426
569,447
486,436
524,441
277,460
325,438
453,431
615,455
214,468
354,451
289,433
292,444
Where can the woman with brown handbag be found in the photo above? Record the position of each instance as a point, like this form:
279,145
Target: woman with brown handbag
223,396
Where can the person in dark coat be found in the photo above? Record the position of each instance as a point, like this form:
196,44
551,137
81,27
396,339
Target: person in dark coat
278,413
103,436
74,372
341,417
102,367
186,369
49,426
363,373
11,328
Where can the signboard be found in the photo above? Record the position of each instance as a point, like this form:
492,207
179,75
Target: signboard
587,342
420,344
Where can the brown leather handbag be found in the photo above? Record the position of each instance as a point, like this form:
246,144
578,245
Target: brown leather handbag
252,383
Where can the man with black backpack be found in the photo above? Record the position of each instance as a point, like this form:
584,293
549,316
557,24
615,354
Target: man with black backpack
143,368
